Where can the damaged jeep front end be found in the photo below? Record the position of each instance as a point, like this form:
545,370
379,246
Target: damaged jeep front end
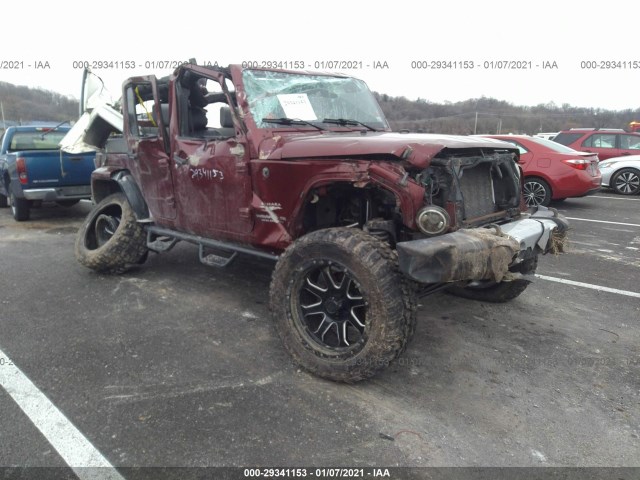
489,253
474,225
475,186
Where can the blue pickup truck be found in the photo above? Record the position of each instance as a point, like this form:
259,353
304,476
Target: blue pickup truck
33,170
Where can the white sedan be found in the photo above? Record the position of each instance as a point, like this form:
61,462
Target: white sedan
622,174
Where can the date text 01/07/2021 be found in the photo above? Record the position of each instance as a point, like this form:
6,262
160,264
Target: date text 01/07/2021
316,472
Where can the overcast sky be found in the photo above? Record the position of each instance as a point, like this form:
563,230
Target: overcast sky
532,34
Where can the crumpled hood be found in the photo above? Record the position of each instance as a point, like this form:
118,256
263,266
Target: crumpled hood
418,149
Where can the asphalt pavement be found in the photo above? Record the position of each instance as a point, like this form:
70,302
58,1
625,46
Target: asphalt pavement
176,364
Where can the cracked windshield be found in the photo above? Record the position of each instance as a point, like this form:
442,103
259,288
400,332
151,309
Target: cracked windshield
310,100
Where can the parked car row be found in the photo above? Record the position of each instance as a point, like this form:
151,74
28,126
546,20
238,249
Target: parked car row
553,171
618,151
607,143
577,162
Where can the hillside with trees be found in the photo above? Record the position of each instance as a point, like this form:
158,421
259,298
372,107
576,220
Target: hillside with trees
23,104
476,115
495,116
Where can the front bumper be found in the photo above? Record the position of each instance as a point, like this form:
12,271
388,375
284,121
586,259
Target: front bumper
78,192
482,253
607,173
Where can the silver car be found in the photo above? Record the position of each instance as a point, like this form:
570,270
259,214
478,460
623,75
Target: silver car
622,174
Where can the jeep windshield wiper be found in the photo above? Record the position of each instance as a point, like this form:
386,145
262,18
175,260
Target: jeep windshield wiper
290,121
344,122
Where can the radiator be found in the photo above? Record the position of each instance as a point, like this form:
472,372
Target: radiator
477,190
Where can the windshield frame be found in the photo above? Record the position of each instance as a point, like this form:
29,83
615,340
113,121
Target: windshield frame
256,111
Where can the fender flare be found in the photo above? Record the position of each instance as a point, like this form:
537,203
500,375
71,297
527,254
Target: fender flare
132,191
104,182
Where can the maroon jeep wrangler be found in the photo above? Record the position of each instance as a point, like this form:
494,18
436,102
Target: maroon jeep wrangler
302,168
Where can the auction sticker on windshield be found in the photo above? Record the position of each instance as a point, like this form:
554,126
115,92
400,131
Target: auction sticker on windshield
297,105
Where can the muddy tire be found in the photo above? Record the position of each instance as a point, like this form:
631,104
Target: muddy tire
4,201
340,305
20,208
110,240
498,292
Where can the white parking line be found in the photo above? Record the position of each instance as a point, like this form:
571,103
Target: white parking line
588,285
70,443
618,198
603,221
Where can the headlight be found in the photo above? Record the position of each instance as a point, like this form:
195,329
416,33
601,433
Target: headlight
606,165
433,220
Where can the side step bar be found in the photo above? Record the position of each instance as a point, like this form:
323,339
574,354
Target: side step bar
163,239
213,260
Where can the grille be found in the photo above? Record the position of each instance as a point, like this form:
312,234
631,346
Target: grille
477,191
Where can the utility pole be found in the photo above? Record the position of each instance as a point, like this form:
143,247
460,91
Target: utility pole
475,126
4,124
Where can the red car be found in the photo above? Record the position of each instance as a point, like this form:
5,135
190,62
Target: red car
607,143
553,171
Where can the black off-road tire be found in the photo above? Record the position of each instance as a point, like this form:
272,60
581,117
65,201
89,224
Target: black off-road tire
4,201
372,309
20,208
110,240
499,292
